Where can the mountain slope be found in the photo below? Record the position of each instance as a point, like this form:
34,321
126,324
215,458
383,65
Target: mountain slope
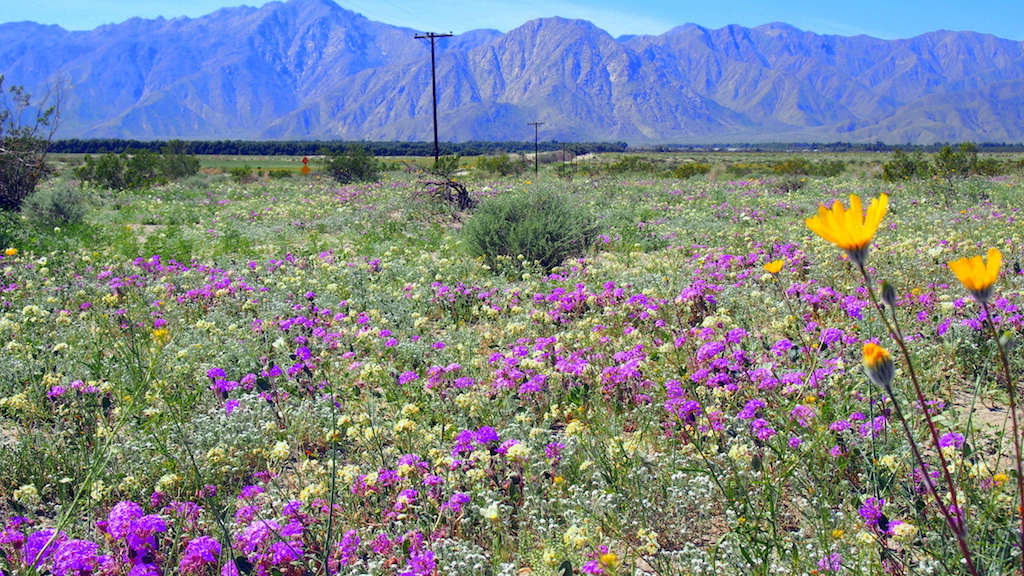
311,69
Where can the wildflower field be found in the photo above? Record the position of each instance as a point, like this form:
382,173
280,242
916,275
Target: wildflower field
291,377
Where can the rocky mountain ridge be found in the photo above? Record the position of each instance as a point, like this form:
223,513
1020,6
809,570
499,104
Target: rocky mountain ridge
311,69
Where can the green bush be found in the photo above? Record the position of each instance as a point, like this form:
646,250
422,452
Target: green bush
503,165
133,169
58,206
829,169
747,169
542,227
176,162
691,169
632,164
990,167
905,166
354,164
447,166
794,167
241,174
950,164
25,133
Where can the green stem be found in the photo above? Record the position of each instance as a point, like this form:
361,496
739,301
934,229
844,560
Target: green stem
955,523
1011,389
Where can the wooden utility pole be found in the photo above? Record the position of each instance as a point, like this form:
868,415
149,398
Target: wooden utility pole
536,145
433,79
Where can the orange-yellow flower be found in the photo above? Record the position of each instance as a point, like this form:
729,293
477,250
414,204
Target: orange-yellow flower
850,229
11,251
878,365
774,267
610,559
978,276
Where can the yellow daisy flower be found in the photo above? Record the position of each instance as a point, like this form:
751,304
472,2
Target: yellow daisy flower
774,267
977,276
851,229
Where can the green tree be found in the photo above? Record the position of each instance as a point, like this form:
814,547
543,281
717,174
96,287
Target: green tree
177,161
953,164
141,168
26,130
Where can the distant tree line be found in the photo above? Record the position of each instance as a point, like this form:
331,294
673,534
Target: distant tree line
311,147
990,147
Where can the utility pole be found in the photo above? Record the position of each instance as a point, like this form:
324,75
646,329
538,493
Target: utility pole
433,79
536,145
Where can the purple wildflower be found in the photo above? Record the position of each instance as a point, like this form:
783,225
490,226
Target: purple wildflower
199,553
119,521
831,563
485,434
36,550
76,558
871,511
346,550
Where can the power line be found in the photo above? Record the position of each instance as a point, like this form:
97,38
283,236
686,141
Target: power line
433,79
536,145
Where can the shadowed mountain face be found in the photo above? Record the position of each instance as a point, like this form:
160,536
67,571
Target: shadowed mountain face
311,69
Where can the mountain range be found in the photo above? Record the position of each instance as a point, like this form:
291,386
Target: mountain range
309,69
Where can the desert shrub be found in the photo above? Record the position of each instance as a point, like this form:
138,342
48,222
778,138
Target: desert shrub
990,167
803,167
503,165
133,169
691,169
955,163
632,164
142,169
354,164
794,166
542,227
747,169
176,162
905,166
790,183
949,164
57,206
829,169
447,165
10,229
241,174
25,133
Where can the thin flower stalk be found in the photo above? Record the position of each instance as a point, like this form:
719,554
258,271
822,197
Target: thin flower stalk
956,523
852,230
979,277
1011,389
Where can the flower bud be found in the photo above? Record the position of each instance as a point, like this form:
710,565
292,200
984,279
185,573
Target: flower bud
1008,341
879,366
888,294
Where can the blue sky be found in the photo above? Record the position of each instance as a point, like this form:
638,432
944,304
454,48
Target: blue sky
880,18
